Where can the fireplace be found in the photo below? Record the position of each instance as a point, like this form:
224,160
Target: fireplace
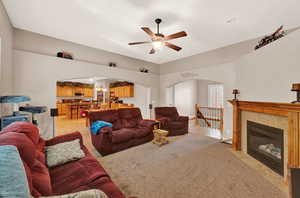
265,143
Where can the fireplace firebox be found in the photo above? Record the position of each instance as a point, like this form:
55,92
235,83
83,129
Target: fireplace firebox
265,144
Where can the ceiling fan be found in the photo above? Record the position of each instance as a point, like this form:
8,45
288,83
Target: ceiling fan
158,40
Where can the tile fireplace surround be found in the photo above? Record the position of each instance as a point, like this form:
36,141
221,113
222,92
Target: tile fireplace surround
283,116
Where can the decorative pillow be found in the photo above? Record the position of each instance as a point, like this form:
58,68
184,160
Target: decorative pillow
98,125
12,174
82,194
63,153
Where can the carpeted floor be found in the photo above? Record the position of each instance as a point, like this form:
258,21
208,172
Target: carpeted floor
191,166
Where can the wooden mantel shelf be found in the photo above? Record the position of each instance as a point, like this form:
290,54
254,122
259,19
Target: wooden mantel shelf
291,111
274,108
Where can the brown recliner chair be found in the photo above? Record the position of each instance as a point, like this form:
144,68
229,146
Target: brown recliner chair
171,121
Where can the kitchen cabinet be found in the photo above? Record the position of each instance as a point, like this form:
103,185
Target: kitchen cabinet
64,91
88,92
128,91
78,91
64,108
72,91
123,92
59,108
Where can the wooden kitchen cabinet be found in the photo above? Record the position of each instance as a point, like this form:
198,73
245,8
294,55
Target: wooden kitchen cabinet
71,91
64,108
78,91
59,91
59,108
64,91
123,92
128,91
88,92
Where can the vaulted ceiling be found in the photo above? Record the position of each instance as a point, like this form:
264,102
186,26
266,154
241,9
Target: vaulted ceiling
111,25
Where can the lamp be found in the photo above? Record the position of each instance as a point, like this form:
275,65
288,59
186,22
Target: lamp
235,92
296,88
157,45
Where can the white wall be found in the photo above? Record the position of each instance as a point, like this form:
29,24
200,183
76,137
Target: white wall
6,36
140,99
185,97
37,43
203,91
268,74
36,76
170,96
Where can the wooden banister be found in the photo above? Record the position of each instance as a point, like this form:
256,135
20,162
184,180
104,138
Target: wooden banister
212,116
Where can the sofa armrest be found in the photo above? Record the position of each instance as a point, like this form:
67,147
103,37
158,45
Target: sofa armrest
183,118
164,121
105,130
147,123
65,138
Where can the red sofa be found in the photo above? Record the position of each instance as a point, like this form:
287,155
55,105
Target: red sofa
75,176
129,129
171,121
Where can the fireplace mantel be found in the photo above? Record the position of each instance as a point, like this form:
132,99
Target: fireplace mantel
291,111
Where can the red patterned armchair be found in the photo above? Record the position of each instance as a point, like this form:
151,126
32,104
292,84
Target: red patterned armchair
129,129
171,121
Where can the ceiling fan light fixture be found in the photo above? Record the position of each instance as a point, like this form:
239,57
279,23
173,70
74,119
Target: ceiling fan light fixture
159,40
157,45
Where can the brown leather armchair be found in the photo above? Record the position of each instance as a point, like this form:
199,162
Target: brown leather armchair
171,121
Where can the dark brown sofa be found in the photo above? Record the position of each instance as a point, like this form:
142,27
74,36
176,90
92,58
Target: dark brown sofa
171,121
129,129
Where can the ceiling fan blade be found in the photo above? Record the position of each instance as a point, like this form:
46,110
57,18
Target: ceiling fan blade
148,31
176,35
172,46
137,43
152,51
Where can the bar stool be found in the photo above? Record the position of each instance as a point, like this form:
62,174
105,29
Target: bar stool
74,107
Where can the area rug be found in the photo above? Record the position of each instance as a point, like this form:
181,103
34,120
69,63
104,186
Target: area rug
192,166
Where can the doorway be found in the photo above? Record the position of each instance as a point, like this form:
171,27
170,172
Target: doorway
202,101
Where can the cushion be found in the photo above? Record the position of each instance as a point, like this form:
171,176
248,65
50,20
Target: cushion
71,176
29,129
82,194
41,179
176,125
122,135
98,125
130,117
141,132
23,143
63,153
12,174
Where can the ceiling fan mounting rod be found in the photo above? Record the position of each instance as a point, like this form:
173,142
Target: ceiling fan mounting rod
158,21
